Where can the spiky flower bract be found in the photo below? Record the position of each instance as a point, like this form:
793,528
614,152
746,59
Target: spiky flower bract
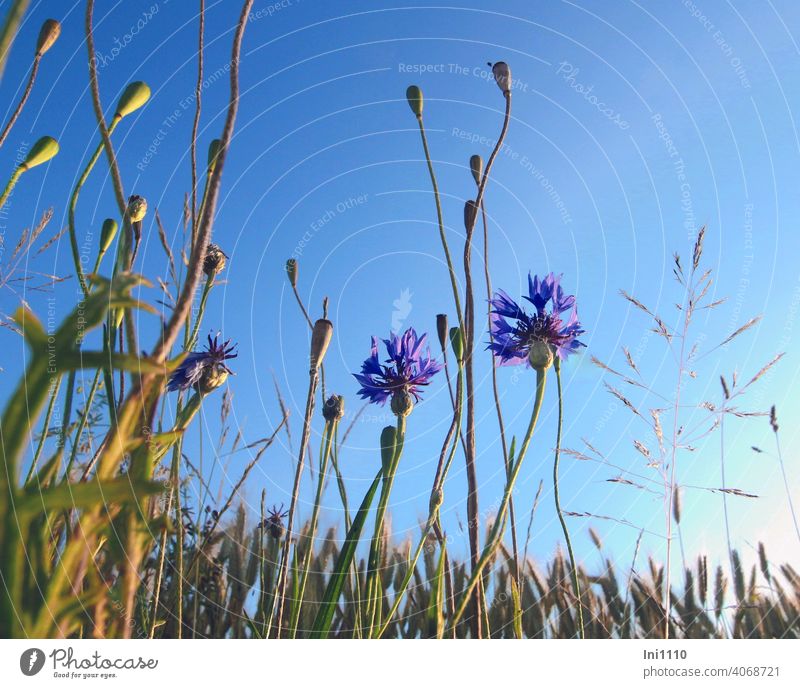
516,335
408,368
203,370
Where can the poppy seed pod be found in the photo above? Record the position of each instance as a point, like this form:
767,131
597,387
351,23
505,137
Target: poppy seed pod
291,271
333,410
388,436
470,214
476,167
133,97
214,262
502,75
49,33
137,208
107,234
41,151
457,344
414,97
441,329
320,339
213,153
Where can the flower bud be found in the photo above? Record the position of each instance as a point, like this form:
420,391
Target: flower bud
441,329
214,262
41,151
502,75
388,436
470,214
333,410
476,167
457,344
291,271
213,377
540,355
402,403
137,208
49,33
213,153
320,339
133,97
414,97
107,234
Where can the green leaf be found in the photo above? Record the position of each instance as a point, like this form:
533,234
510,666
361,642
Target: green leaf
322,622
68,495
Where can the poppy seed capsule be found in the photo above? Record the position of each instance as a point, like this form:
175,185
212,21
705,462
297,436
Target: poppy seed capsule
133,97
441,329
502,75
333,410
214,262
388,435
414,97
320,339
213,154
107,234
470,214
540,356
291,271
457,343
49,33
137,208
41,151
476,167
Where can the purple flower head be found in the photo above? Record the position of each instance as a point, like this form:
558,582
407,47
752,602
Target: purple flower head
203,369
514,331
407,368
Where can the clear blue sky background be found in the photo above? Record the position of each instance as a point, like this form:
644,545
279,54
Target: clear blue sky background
327,165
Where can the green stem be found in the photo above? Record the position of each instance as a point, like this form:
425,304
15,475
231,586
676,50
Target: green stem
575,579
327,441
12,182
495,535
380,516
45,426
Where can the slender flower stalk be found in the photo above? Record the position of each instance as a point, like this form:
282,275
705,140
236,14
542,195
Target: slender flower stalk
575,577
773,421
495,534
333,413
49,33
320,340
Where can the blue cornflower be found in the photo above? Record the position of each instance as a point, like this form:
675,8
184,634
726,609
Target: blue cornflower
408,369
521,338
204,370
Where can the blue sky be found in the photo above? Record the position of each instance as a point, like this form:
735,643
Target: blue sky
633,125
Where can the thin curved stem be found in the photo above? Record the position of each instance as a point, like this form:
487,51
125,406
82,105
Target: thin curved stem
25,95
497,528
575,578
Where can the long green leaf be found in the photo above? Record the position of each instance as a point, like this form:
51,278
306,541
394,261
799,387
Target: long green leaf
322,622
